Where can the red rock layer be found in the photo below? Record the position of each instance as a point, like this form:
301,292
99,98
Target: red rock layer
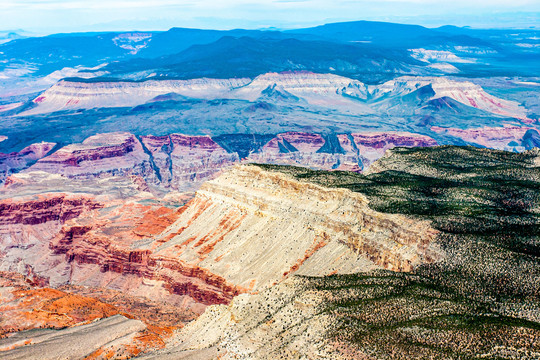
44,208
96,153
111,153
372,146
26,307
381,140
109,245
182,160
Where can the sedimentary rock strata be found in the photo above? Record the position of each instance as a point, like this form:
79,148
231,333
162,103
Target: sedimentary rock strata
236,235
182,160
77,95
317,89
509,138
372,146
464,92
246,213
351,152
27,305
187,254
16,161
306,149
113,153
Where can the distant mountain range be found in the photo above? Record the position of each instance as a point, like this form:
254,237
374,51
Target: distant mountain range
357,190
341,48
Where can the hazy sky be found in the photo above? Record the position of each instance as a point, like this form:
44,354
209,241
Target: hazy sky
48,16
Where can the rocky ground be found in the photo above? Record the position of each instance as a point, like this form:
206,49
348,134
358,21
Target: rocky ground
434,251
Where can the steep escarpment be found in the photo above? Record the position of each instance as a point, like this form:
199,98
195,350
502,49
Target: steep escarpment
350,152
79,237
76,95
45,208
239,227
427,253
114,254
301,84
480,300
484,203
20,160
115,153
183,162
304,149
464,92
241,220
318,89
235,236
182,159
174,161
372,146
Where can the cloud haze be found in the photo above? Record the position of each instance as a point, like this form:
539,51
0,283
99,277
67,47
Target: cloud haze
79,15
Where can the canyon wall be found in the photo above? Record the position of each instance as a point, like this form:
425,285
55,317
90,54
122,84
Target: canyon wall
17,161
182,162
317,89
212,248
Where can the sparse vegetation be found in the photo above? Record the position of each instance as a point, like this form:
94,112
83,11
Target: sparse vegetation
483,299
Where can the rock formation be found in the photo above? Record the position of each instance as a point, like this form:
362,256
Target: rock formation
190,255
68,315
317,89
372,146
113,153
245,214
352,152
17,161
183,160
464,92
278,254
304,149
86,95
509,138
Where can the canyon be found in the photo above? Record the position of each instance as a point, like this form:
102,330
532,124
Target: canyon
328,90
251,244
357,190
182,162
203,253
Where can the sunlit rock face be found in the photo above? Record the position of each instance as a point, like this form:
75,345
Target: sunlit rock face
181,160
17,161
214,247
302,84
111,153
464,92
326,90
73,239
351,152
66,95
239,226
69,95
